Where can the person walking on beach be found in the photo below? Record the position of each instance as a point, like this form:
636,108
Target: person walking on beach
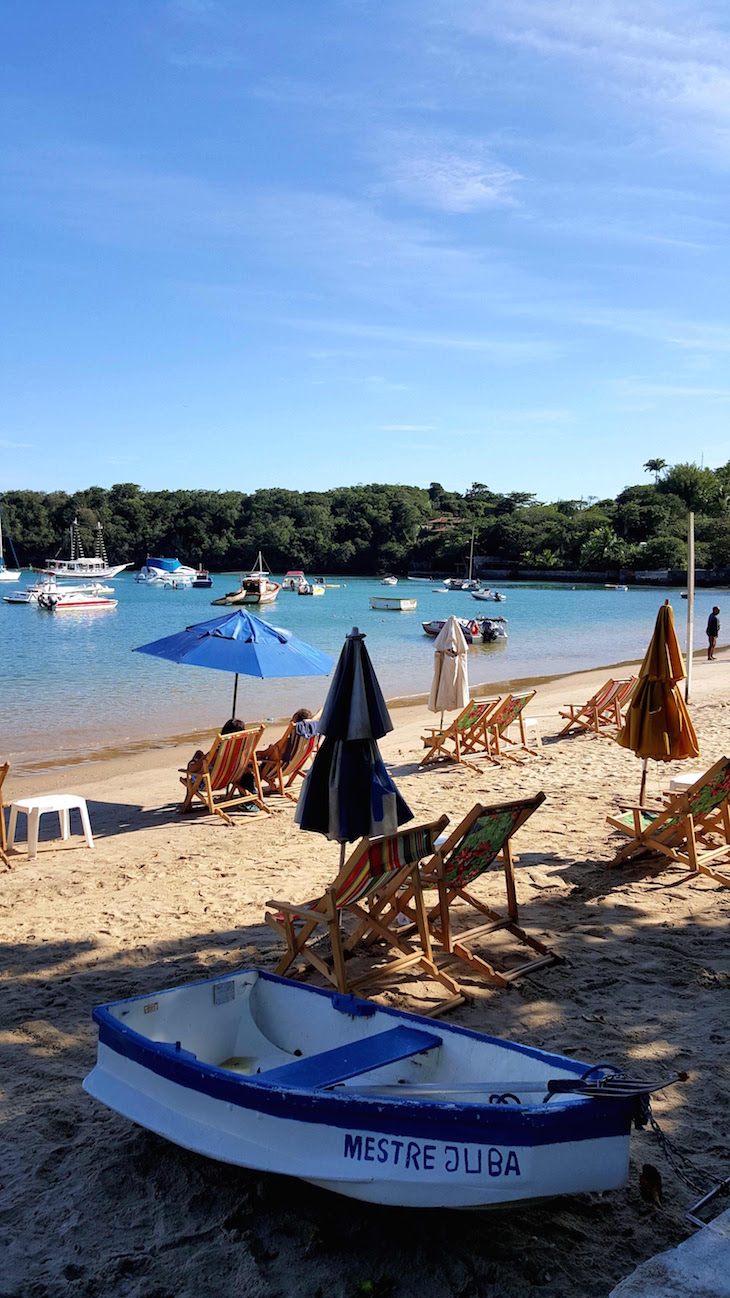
713,631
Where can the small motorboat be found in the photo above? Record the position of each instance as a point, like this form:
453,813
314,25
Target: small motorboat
389,581
488,595
484,629
202,580
80,601
311,588
375,1104
419,577
31,594
393,603
293,579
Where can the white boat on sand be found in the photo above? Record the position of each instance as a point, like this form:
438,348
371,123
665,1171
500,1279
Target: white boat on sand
393,603
265,1073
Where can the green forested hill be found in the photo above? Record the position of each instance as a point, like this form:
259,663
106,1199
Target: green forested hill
378,526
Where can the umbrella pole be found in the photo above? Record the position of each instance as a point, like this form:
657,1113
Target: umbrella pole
643,782
342,854
235,692
690,601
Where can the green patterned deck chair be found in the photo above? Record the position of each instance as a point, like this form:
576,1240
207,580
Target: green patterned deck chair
218,783
483,838
601,715
693,829
374,865
466,734
510,713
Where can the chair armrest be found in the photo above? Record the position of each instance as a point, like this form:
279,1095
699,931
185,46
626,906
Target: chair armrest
305,909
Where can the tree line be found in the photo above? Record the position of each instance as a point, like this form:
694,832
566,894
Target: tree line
381,527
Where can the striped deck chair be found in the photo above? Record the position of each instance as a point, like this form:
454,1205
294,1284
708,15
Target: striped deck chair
374,865
602,713
4,768
509,713
279,773
218,784
466,734
693,829
483,837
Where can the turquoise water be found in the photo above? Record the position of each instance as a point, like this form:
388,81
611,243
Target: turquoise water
70,684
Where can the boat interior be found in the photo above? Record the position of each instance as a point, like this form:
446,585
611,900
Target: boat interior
289,1035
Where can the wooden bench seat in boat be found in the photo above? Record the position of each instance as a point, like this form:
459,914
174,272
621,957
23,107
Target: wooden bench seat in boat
332,1066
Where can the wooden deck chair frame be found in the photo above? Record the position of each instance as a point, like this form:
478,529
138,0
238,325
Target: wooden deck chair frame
686,829
467,733
602,713
230,758
434,874
355,891
283,774
4,768
509,713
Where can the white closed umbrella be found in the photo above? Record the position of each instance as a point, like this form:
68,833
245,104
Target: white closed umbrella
450,684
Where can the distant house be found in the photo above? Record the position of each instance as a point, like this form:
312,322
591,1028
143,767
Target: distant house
445,523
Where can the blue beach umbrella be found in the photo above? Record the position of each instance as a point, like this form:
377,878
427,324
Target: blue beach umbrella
348,793
241,643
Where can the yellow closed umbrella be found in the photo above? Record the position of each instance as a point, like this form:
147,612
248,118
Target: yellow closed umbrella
657,724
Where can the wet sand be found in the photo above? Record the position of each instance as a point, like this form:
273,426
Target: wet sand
90,1204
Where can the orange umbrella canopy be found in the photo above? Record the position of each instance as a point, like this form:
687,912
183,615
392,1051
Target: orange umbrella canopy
657,723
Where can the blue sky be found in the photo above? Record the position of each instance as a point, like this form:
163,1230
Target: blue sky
256,243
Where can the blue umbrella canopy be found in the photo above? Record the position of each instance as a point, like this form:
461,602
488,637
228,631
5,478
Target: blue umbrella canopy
348,793
239,642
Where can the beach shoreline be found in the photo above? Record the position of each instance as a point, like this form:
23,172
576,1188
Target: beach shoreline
165,899
142,749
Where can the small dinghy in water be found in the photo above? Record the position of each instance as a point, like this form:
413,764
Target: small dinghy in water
261,1072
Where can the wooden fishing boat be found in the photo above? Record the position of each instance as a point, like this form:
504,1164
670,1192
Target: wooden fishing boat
256,588
375,1104
393,603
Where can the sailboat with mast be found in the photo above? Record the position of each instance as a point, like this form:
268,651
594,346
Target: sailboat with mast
7,574
469,583
78,566
256,588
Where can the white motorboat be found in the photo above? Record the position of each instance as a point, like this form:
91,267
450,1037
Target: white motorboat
484,630
256,588
293,579
84,601
311,588
486,595
392,603
158,570
375,1104
389,581
7,574
78,566
415,577
31,594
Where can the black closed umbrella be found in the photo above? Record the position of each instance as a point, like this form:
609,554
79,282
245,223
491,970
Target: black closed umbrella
348,793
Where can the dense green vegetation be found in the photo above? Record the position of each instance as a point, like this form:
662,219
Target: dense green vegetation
377,527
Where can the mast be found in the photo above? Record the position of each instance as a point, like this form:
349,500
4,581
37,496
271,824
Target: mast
2,565
99,546
471,554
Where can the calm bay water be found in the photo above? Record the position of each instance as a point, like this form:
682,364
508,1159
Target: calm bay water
70,685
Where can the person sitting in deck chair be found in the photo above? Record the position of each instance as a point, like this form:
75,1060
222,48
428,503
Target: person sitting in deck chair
278,753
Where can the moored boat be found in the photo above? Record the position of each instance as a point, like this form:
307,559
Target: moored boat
311,588
7,574
79,600
375,1104
293,579
158,570
202,579
256,588
393,603
389,581
484,629
32,594
488,595
78,566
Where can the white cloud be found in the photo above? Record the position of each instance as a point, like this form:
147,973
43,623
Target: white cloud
452,181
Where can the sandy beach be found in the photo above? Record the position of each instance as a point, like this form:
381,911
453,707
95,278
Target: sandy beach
91,1205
